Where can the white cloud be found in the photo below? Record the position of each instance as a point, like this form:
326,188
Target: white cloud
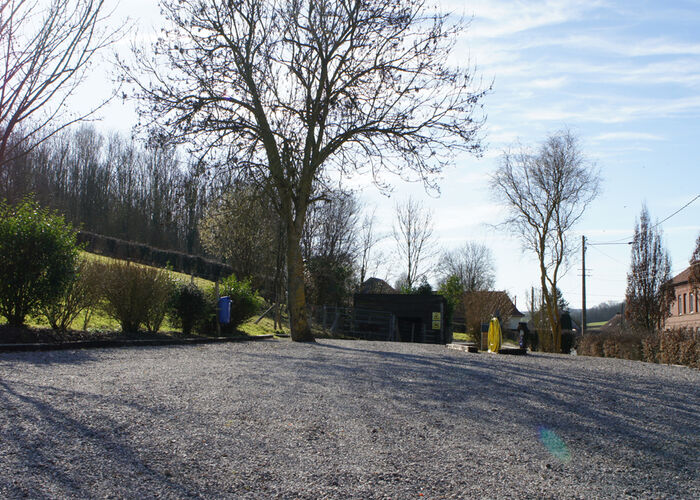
498,19
634,48
627,136
549,83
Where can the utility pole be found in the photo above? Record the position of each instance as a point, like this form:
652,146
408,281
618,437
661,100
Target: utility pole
583,285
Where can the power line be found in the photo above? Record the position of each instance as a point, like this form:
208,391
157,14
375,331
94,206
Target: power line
625,241
608,256
611,243
677,211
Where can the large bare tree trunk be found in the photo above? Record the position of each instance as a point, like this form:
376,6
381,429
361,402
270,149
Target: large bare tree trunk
298,315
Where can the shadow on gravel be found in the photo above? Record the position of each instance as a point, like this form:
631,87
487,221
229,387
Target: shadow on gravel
604,412
47,358
33,431
206,421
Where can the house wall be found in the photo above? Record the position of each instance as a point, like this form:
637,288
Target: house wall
684,308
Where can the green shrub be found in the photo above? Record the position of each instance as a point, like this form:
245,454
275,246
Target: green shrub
136,295
82,292
38,254
244,303
188,306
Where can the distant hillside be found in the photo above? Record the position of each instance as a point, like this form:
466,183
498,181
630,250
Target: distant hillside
601,313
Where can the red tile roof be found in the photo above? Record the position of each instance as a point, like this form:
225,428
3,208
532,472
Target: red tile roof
682,277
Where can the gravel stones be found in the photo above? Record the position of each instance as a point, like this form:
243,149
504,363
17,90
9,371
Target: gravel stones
343,419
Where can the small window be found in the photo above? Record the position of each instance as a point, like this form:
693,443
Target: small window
685,297
680,310
692,303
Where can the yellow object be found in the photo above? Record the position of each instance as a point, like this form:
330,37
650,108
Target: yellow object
495,339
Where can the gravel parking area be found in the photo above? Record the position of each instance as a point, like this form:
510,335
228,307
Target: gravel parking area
342,419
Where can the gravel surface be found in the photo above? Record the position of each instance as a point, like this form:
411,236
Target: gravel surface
343,419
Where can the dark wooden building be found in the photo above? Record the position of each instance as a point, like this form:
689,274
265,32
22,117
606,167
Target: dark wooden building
419,318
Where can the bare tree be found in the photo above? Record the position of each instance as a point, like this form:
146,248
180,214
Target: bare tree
294,91
330,247
367,242
242,229
648,295
480,306
413,232
331,226
45,51
472,264
545,194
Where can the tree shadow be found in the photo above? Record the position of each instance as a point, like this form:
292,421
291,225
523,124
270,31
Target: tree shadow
603,412
33,430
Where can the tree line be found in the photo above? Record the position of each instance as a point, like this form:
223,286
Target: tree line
114,186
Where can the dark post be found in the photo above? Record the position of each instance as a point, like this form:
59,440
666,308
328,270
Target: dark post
218,325
583,284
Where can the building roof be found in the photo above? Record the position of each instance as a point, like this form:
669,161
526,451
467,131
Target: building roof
684,276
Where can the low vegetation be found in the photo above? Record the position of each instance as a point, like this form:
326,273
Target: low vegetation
38,257
79,297
46,281
188,306
134,295
678,347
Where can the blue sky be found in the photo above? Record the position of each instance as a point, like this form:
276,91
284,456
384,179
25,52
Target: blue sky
623,76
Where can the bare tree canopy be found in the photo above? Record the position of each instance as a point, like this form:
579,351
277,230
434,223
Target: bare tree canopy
648,295
482,305
413,233
45,51
546,193
331,229
368,257
472,264
330,247
245,231
295,90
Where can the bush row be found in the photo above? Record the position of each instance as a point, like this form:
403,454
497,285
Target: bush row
140,297
41,273
679,347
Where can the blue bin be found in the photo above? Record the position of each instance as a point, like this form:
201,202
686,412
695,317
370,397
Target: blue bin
224,308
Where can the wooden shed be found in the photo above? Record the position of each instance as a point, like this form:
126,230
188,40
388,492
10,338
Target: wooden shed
419,318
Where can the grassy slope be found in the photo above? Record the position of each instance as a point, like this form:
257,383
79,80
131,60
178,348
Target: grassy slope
100,321
596,324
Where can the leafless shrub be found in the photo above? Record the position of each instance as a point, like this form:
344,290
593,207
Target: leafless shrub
679,347
480,307
82,294
136,295
591,345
